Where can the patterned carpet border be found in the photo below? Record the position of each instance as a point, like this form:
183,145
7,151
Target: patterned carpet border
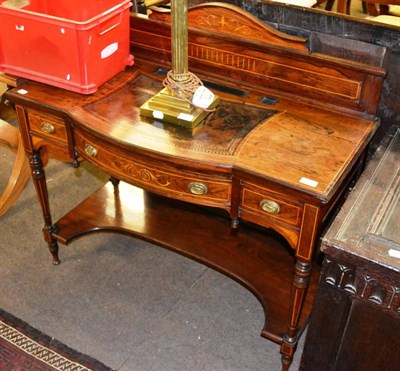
22,347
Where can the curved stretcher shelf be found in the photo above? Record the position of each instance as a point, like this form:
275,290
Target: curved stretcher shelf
206,238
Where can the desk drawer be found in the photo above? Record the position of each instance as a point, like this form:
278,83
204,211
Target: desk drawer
268,204
47,126
165,179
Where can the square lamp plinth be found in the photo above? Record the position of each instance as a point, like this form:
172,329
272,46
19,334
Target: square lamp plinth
168,107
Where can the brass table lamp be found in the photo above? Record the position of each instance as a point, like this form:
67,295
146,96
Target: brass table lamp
184,100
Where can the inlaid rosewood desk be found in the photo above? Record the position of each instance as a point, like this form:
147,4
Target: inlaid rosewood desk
278,153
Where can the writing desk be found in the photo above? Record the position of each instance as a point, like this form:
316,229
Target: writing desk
258,162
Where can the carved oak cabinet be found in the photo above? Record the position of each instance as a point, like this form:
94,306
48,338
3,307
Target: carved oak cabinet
288,137
355,324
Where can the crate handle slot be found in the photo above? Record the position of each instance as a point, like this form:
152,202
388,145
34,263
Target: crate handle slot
119,20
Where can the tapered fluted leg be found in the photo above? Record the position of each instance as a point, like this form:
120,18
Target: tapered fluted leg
39,180
301,279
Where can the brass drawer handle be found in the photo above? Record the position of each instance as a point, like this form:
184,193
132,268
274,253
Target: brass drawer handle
270,207
90,150
47,128
198,188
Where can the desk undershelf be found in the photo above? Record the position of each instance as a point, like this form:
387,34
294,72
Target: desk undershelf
252,257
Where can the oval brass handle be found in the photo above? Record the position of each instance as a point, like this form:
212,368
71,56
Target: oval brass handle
47,128
90,150
198,188
270,207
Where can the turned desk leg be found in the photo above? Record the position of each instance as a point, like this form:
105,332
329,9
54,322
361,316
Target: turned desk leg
300,282
39,180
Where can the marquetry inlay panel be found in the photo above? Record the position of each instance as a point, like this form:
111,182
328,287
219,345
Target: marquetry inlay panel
278,71
165,180
235,24
232,21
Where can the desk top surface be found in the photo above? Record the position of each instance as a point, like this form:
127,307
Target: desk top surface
306,148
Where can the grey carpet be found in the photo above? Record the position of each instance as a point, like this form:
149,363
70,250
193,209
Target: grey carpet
129,304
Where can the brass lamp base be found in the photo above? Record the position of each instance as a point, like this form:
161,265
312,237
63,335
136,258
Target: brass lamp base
166,106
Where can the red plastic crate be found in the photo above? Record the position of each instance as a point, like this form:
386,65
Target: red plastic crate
73,44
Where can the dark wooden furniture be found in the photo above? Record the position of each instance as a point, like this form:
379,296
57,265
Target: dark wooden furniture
278,153
355,324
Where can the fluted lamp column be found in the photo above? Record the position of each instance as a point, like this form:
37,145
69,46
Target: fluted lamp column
179,40
184,100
